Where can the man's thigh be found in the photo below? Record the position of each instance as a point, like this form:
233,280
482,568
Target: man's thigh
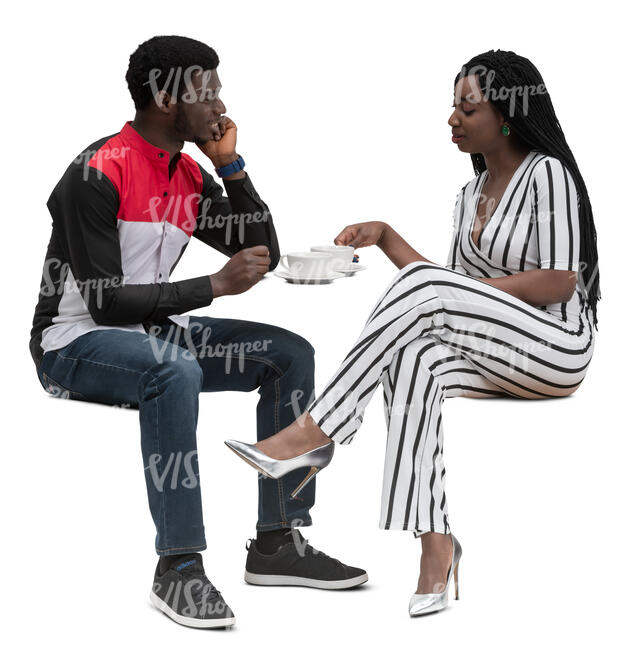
238,354
104,366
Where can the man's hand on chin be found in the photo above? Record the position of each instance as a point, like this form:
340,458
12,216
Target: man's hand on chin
221,148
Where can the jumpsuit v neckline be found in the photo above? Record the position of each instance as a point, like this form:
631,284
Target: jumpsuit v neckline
504,196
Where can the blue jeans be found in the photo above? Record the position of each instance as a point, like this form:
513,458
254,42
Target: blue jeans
161,373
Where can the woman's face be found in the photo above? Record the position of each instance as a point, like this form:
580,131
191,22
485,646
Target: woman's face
474,120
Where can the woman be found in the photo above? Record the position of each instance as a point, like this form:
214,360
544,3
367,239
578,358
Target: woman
512,314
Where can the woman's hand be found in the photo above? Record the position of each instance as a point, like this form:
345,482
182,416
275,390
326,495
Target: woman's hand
360,235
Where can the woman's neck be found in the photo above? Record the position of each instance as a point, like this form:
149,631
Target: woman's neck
504,161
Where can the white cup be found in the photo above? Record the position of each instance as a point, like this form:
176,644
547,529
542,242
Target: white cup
309,264
342,255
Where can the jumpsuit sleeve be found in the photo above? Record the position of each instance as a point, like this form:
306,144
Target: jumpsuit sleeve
556,215
84,211
240,220
453,262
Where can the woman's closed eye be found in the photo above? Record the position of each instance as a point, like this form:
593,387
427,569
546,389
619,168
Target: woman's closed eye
466,112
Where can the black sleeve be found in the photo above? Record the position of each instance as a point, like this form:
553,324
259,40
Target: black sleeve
84,210
239,221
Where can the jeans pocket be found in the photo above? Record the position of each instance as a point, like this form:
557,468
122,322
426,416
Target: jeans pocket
57,390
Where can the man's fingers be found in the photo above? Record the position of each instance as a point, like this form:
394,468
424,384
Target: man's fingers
216,133
259,271
258,259
257,250
258,262
227,122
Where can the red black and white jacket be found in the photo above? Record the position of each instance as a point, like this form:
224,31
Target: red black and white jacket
122,216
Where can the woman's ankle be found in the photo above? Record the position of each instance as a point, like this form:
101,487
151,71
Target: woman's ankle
307,428
300,436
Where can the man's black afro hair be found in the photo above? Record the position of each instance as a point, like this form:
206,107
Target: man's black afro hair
171,55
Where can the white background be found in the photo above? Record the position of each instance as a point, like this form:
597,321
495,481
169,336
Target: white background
342,112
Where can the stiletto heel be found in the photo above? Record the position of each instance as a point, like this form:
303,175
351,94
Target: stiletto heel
427,603
312,472
456,583
316,459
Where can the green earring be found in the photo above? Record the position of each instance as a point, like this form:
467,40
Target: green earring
505,129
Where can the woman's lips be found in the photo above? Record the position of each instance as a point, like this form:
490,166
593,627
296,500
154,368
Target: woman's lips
457,138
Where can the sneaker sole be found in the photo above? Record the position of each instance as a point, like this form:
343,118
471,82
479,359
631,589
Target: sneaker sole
187,620
297,581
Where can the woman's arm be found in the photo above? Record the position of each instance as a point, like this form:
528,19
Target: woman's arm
397,249
538,287
384,237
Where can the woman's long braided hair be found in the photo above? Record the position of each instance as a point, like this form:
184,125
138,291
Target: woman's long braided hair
536,125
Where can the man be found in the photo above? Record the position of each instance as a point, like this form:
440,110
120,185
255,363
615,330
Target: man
110,327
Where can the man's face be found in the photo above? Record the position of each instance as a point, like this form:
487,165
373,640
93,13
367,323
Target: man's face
200,108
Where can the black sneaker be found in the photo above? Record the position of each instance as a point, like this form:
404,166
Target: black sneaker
185,594
300,564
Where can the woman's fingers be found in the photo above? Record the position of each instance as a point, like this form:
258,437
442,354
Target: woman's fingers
358,242
345,236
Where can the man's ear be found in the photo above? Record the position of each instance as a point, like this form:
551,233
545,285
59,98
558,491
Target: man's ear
163,101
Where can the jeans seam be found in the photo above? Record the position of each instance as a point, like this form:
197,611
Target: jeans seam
157,446
271,364
281,500
98,363
253,358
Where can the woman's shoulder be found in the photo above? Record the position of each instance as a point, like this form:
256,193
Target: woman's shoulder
544,167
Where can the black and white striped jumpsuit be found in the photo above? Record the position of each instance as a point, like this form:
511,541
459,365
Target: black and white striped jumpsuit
441,332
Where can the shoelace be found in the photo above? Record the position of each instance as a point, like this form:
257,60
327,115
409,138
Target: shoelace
318,553
207,589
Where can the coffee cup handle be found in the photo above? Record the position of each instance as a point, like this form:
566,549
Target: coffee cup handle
283,262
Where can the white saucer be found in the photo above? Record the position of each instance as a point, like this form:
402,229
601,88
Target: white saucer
333,275
352,268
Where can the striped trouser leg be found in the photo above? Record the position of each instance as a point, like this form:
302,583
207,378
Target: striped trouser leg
436,333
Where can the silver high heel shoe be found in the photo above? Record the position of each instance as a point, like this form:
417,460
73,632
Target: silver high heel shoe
316,459
427,603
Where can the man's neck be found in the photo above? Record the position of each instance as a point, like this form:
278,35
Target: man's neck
156,135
